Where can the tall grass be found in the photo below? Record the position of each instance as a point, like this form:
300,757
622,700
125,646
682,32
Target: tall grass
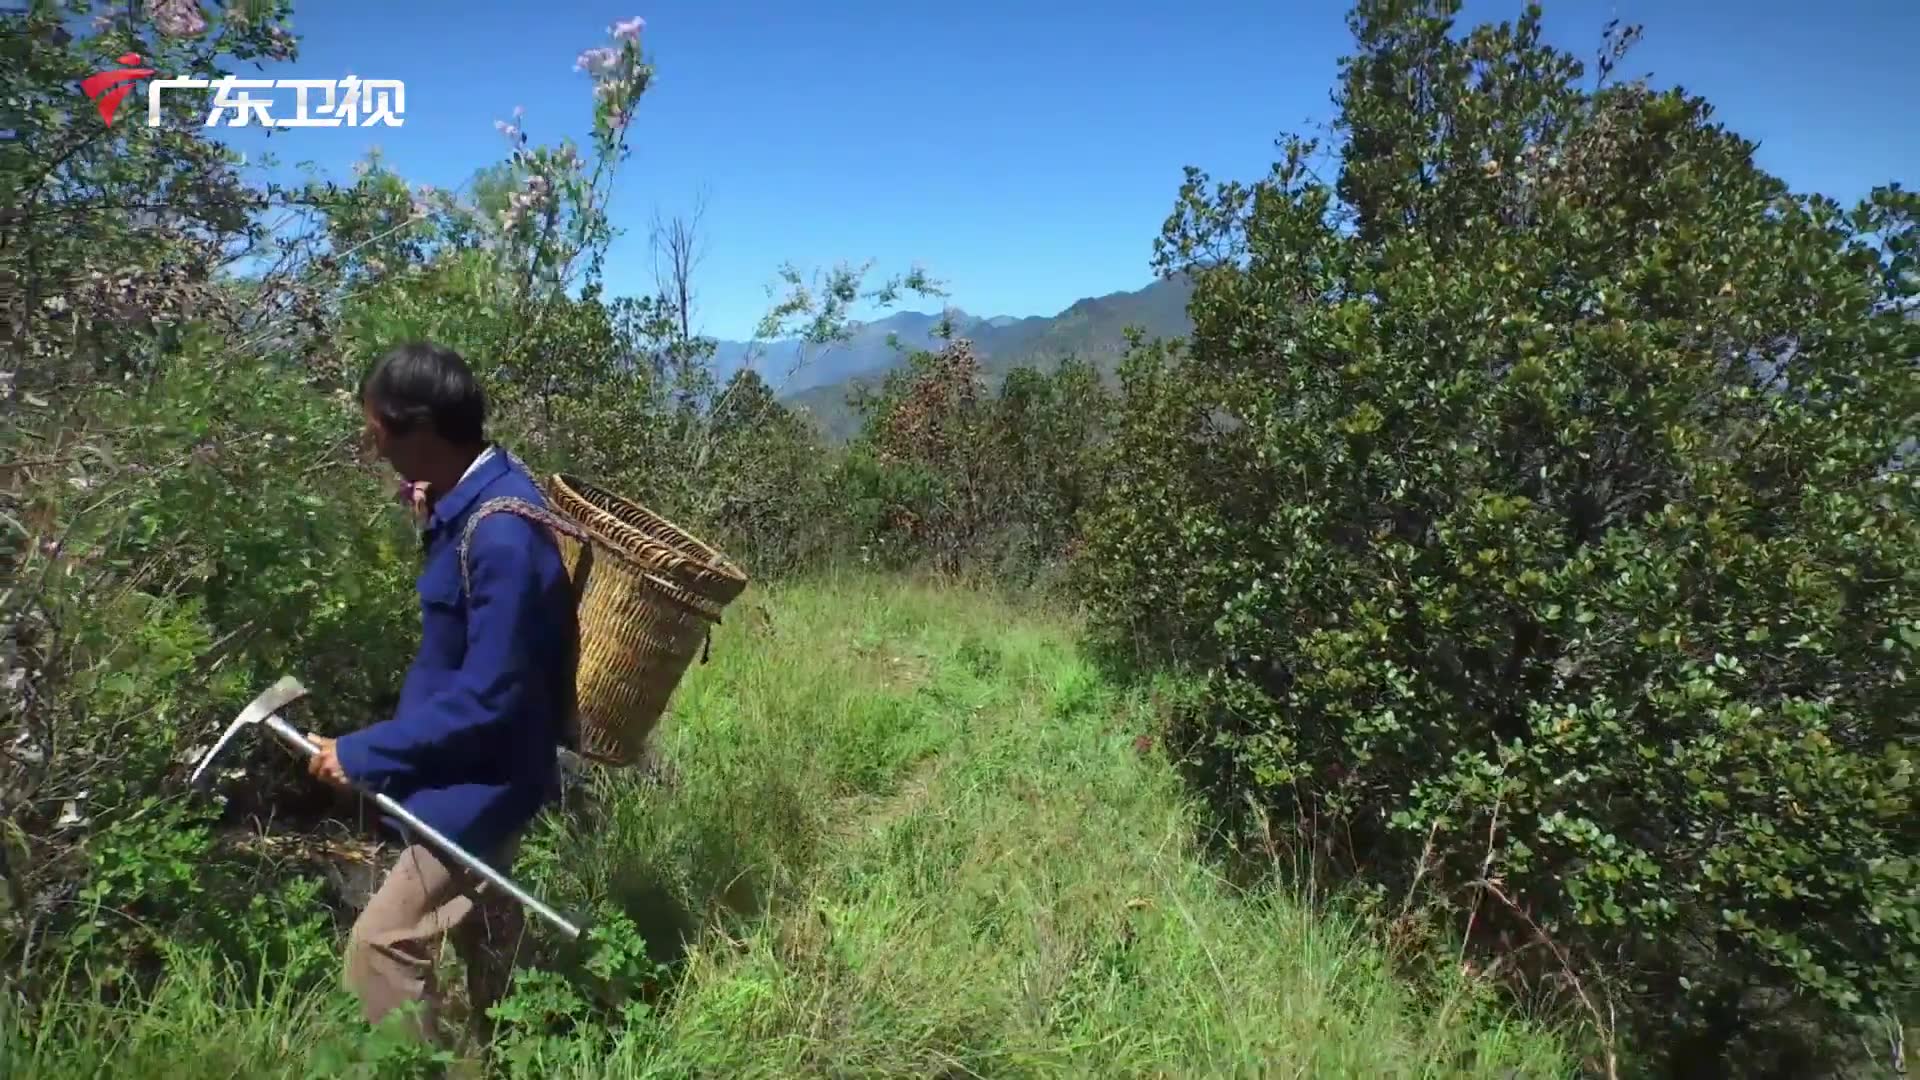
905,831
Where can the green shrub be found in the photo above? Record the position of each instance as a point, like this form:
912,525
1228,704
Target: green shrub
948,475
184,514
172,594
1532,494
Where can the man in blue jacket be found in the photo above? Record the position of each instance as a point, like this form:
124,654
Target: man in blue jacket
471,748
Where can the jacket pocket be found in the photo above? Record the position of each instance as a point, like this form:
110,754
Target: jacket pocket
443,620
439,585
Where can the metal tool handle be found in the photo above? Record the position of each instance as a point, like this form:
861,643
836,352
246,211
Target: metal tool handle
300,745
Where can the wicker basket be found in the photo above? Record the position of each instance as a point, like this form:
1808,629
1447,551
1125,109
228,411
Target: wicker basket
648,594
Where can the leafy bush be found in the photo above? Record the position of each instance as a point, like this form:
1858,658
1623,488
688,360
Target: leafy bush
184,511
1533,493
773,487
165,598
945,473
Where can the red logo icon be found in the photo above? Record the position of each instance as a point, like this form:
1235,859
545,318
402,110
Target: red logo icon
109,88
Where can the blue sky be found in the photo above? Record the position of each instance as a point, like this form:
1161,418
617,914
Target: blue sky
1025,153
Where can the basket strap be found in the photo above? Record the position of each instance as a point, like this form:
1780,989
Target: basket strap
520,508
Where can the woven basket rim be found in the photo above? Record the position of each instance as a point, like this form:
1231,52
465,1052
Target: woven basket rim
678,594
592,494
586,504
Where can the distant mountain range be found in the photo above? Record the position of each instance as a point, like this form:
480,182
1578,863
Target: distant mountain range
1092,329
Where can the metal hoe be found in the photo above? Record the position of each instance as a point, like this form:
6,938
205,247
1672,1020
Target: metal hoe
264,710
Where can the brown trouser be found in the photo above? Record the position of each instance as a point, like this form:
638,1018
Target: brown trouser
424,900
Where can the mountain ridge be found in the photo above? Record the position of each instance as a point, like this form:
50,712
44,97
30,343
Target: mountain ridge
1091,328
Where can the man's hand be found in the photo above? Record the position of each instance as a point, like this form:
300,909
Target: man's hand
413,495
325,765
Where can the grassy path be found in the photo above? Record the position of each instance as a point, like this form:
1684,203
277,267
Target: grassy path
910,834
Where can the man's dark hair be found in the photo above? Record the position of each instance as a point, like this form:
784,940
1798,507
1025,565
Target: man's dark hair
422,384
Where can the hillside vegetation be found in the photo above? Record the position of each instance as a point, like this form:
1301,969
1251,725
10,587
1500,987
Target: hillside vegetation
927,843
1486,643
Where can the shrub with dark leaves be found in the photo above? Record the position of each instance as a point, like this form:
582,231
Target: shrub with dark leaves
1533,492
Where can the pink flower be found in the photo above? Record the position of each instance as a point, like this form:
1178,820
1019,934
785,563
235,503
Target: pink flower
629,29
176,18
613,90
519,111
506,129
597,62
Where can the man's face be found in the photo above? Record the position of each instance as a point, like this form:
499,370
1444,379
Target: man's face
382,442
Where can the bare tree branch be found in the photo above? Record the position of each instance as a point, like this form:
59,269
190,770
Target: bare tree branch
679,247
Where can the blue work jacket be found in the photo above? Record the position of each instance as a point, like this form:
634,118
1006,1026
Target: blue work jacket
471,747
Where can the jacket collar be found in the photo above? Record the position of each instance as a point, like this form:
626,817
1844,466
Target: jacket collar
454,504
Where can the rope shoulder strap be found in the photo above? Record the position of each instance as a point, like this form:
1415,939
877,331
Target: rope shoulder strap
510,504
517,506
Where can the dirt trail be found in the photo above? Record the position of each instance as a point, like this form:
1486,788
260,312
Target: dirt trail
868,814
